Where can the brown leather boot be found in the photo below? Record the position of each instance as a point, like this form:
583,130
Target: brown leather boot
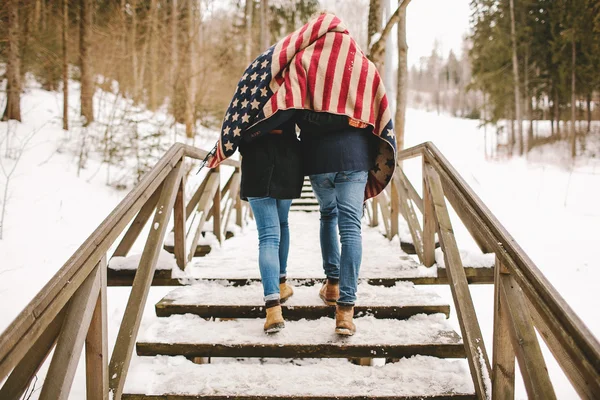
330,293
285,292
343,320
274,322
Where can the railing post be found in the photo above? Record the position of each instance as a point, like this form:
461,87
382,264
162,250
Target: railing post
71,339
394,210
375,215
428,223
96,345
179,216
121,356
503,359
238,204
217,209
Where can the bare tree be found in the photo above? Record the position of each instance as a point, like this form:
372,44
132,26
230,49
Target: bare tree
573,98
248,34
374,23
153,54
87,77
515,63
13,67
265,40
402,87
376,49
174,49
65,43
191,71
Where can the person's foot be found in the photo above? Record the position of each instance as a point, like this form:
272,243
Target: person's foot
285,292
274,322
343,320
330,292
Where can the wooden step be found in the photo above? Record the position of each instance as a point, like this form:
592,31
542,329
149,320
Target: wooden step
192,336
201,250
409,379
163,278
215,300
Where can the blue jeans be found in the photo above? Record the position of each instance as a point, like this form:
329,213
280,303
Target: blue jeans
271,216
341,197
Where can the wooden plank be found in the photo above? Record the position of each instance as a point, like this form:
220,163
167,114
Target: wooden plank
41,311
375,215
136,227
201,250
191,205
96,345
394,210
61,372
204,204
121,357
413,222
217,210
503,361
383,203
295,313
412,192
428,225
175,396
239,208
163,278
278,350
20,378
233,197
200,154
524,341
575,367
179,217
476,353
554,310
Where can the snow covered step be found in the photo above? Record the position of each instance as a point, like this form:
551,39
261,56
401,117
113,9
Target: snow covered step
413,378
201,249
219,300
305,203
191,336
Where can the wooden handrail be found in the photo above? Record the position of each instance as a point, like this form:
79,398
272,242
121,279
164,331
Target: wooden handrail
27,341
572,343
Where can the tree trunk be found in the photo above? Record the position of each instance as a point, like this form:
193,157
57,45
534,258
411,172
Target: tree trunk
375,13
174,51
402,87
589,112
13,67
511,145
528,107
248,33
87,77
37,14
133,51
191,72
65,32
557,112
515,62
573,99
265,40
152,104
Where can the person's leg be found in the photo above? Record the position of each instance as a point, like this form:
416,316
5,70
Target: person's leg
267,223
350,190
283,210
324,189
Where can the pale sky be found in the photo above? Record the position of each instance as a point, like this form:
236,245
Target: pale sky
428,20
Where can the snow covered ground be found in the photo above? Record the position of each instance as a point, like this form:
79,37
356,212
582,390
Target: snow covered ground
551,210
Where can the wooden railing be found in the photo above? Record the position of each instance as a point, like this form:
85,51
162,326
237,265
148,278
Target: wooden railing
524,300
70,310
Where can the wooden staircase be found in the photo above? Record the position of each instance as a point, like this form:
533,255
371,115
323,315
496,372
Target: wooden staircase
206,339
212,320
307,201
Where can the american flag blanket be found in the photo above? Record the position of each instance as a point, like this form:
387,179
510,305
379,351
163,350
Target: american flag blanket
318,67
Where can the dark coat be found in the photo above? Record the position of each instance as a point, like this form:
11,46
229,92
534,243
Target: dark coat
271,165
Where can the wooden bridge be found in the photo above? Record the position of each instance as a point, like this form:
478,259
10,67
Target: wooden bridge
210,319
